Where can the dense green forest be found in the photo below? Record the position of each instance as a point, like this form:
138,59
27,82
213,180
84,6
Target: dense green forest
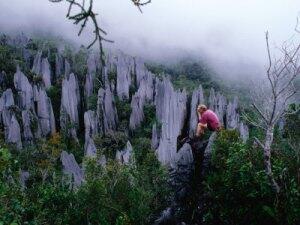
236,189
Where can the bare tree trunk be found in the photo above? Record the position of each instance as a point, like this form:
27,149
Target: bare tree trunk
267,158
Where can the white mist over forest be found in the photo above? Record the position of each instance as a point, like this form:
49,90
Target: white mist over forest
228,34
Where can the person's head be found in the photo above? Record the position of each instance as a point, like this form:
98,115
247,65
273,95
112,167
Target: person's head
201,109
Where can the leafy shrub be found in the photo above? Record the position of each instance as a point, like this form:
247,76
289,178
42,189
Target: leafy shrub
111,143
239,191
114,194
92,102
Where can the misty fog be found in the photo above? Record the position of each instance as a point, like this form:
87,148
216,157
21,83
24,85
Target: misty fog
227,34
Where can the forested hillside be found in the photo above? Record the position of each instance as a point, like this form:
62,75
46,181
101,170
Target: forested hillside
87,142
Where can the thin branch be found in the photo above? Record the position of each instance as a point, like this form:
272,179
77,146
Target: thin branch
259,142
87,14
260,113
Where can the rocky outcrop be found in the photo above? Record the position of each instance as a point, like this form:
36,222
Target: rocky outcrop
171,112
106,110
244,131
217,103
91,129
70,102
125,156
88,86
37,63
207,154
6,100
137,111
71,169
184,156
11,125
232,116
41,67
140,70
44,112
143,95
27,133
197,98
46,73
125,67
24,90
14,132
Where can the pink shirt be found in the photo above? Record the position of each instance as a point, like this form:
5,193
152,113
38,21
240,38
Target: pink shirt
211,119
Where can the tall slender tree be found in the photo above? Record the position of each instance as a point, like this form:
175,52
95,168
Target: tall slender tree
270,99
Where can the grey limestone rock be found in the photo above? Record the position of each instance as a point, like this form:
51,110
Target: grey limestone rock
185,156
125,156
71,169
46,73
144,94
125,66
137,113
14,132
12,129
106,110
70,102
207,154
91,129
44,112
197,98
7,99
171,112
24,89
37,63
26,119
232,116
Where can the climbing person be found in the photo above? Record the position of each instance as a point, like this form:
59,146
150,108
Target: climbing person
207,120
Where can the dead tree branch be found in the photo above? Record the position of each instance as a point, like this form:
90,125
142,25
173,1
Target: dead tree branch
83,12
271,105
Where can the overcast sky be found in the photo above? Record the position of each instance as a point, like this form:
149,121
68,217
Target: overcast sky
229,34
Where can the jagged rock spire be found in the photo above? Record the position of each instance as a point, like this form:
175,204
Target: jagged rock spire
106,110
125,67
41,67
91,124
232,116
44,112
46,73
125,156
71,169
11,125
70,102
197,98
171,112
24,89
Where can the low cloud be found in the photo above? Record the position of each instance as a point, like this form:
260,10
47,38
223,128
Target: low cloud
227,34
